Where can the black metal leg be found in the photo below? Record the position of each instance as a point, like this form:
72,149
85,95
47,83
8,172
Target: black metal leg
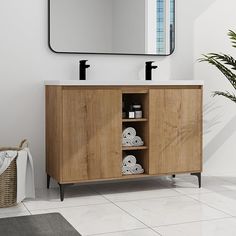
62,188
48,181
173,176
199,178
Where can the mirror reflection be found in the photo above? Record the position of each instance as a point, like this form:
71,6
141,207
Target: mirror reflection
112,26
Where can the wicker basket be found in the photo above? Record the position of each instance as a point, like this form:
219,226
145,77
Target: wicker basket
8,180
8,186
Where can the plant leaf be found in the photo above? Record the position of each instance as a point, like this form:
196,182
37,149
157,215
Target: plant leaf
232,36
225,64
226,72
226,94
227,59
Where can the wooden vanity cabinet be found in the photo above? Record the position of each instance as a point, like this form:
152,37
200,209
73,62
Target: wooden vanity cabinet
91,134
84,131
175,130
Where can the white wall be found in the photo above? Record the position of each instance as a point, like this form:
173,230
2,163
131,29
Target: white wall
210,35
26,61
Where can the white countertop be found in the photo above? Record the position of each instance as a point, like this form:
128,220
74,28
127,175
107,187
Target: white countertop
121,82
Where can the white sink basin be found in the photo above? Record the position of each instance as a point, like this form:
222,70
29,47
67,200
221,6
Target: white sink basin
121,82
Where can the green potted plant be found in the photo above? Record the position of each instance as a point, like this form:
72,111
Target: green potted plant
226,64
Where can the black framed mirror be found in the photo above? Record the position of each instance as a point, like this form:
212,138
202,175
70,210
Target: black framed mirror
126,27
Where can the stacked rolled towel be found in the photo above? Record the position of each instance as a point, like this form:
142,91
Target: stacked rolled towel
129,138
130,166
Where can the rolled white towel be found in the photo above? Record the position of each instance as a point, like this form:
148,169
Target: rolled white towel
126,170
137,169
137,141
129,132
126,142
129,161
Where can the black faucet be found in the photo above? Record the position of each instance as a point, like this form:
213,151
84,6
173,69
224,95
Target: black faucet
148,70
82,69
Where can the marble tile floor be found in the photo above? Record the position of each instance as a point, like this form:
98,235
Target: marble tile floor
148,207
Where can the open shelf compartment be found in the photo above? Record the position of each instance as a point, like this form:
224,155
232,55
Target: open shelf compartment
141,126
131,99
141,158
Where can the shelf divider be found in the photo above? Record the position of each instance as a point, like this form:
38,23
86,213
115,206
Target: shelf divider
135,120
130,148
135,176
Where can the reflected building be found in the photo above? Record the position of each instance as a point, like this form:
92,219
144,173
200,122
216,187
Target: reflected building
165,26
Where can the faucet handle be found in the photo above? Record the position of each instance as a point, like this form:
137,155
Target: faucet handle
83,61
149,62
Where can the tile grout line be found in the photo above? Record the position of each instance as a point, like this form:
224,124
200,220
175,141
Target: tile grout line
66,207
152,198
209,205
187,222
180,194
128,213
194,221
228,181
136,218
209,192
26,208
119,231
190,196
109,202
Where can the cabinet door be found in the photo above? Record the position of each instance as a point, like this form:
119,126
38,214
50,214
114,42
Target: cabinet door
175,130
91,134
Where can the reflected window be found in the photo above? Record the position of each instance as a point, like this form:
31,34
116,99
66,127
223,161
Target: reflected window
160,27
165,26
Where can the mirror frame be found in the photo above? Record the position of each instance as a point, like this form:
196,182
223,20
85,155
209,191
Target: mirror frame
101,53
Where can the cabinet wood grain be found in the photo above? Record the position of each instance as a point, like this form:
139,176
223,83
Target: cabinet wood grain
175,131
54,140
92,124
84,130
